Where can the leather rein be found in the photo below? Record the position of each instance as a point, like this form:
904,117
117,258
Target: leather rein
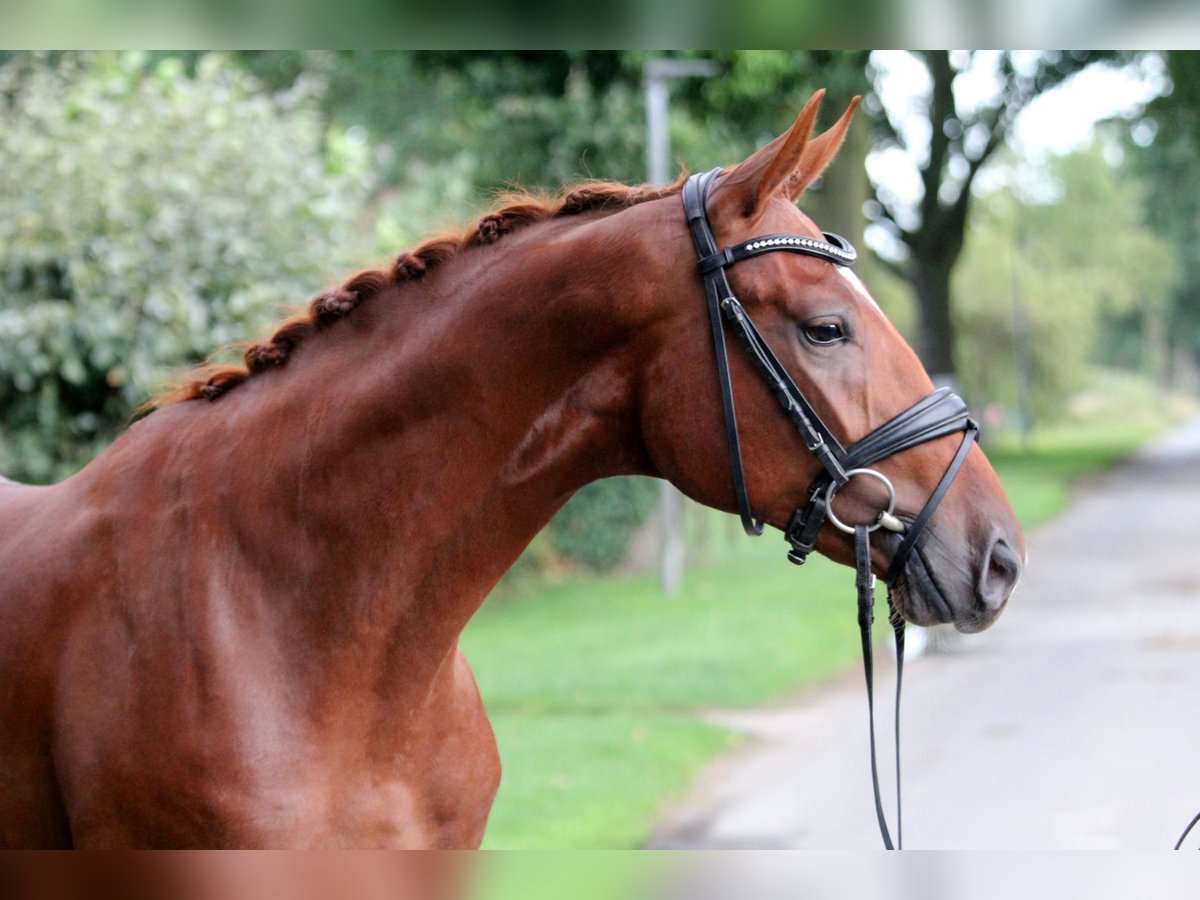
940,413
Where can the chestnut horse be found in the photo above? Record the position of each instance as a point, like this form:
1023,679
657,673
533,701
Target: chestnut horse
238,626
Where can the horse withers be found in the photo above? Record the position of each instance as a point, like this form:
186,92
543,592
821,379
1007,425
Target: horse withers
238,626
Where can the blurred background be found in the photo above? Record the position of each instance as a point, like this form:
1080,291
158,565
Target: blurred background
1029,220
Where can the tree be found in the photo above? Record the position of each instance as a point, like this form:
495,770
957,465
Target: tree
1168,165
1054,263
147,217
960,139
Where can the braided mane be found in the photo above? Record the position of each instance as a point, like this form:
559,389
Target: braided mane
211,381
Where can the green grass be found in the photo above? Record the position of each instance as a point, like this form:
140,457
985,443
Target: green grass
1115,416
602,875
1038,476
595,685
625,765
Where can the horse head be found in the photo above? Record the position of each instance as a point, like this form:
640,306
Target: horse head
852,371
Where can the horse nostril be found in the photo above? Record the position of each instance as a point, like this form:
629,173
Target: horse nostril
1000,575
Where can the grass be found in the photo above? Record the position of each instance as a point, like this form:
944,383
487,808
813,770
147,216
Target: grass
1105,423
600,875
595,685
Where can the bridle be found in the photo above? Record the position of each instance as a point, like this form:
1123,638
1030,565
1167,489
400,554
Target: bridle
940,413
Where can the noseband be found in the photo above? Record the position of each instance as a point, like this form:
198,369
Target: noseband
940,413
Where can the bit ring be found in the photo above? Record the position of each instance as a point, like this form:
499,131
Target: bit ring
885,516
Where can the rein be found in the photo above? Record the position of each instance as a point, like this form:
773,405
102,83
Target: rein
1183,837
941,413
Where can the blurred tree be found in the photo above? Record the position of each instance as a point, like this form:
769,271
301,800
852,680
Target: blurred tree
458,125
536,118
1183,102
594,528
146,217
1058,256
542,118
957,138
1168,164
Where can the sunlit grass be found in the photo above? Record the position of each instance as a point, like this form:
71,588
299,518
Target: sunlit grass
566,876
1108,421
594,684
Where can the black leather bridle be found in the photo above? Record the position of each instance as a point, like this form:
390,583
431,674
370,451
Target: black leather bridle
940,413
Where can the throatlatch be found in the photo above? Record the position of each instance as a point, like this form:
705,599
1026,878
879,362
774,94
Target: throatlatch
941,413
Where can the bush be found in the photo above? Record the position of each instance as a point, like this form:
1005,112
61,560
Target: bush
147,215
594,528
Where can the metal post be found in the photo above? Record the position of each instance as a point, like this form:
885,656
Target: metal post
658,132
656,80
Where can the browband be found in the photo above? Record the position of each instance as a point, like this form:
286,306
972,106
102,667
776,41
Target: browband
835,248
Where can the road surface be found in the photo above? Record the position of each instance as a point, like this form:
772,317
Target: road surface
1073,723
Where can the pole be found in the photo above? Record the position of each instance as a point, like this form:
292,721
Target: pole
656,81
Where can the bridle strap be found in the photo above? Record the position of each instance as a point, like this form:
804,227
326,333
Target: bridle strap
904,551
702,237
834,248
1183,837
722,304
750,525
897,622
942,412
817,437
865,584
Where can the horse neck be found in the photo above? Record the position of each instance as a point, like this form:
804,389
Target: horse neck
415,456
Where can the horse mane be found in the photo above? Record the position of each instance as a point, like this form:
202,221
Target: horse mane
519,210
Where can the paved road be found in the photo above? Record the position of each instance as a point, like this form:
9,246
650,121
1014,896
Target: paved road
1074,723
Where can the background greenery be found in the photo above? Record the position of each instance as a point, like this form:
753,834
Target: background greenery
147,217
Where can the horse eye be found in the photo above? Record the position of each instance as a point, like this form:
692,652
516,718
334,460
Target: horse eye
824,333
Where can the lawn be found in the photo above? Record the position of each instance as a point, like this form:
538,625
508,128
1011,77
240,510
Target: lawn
595,684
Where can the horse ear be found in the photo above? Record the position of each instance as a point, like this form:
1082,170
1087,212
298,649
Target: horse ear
818,154
745,190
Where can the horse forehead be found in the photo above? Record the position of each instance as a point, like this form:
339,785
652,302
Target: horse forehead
858,287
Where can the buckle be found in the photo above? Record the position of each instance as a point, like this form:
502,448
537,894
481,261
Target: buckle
802,531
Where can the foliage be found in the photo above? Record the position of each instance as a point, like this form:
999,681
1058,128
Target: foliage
956,139
541,118
454,127
1108,420
594,528
1168,167
1180,110
537,118
594,684
1065,267
146,217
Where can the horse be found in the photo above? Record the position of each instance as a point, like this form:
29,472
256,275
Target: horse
238,626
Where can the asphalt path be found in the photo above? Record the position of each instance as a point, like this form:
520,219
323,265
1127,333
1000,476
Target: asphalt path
1073,723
